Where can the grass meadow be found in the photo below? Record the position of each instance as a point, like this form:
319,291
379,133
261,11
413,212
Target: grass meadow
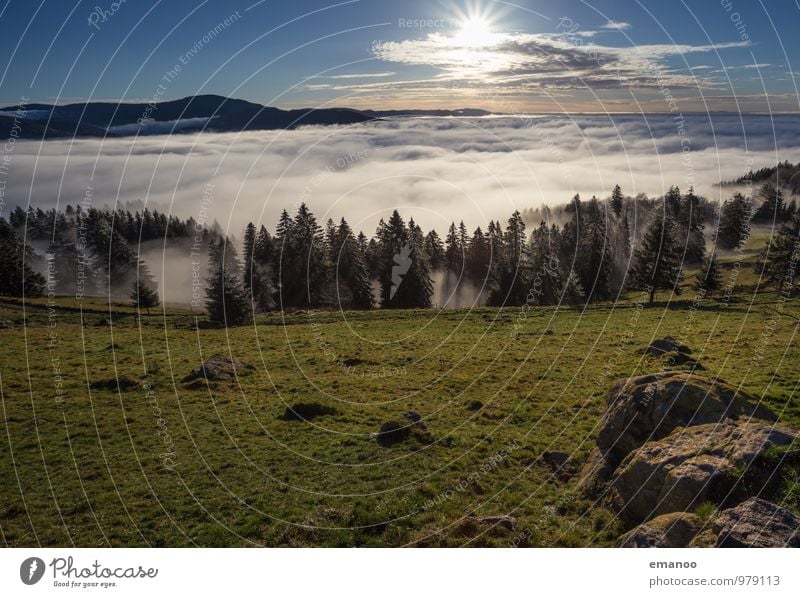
104,444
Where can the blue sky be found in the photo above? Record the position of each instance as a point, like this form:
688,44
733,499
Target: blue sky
527,56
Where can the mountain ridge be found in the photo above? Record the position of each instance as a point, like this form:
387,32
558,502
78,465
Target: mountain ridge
213,113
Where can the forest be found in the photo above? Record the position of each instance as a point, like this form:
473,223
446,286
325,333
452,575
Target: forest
585,251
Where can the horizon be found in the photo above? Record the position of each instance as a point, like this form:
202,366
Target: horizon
454,108
532,57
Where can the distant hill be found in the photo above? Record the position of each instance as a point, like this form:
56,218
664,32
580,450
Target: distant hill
190,114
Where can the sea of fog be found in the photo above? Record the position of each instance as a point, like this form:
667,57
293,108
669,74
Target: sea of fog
435,170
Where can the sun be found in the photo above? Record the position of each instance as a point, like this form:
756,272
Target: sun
475,32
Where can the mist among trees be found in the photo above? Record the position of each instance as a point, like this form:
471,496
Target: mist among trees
583,251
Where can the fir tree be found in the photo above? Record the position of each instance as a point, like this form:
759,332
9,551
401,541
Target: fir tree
435,250
415,288
709,279
353,286
772,207
690,227
394,256
593,263
17,278
734,222
777,263
510,274
227,300
657,259
617,201
143,296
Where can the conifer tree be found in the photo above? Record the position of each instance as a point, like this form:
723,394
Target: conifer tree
690,227
709,279
17,278
143,296
394,256
657,259
778,261
772,207
593,263
617,201
510,275
415,289
435,250
353,286
227,300
734,222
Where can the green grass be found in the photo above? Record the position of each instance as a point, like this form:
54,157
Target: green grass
91,470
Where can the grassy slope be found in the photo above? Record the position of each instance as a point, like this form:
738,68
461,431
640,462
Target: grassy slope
91,473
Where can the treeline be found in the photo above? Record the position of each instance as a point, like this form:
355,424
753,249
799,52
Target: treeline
581,252
88,251
783,175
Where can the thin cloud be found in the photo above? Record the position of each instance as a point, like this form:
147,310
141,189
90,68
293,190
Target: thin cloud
618,25
363,75
547,61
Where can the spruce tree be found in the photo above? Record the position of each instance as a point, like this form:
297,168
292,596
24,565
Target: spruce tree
734,222
657,258
249,247
778,261
617,201
510,275
17,278
593,263
227,300
394,256
143,296
772,207
353,286
435,250
690,227
478,257
709,279
415,289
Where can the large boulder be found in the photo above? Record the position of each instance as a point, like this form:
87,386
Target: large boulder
306,411
393,432
757,523
676,529
664,345
650,407
219,368
689,467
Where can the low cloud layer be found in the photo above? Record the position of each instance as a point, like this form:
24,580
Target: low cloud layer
434,169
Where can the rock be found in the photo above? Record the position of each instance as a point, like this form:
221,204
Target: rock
218,368
503,521
393,432
560,464
471,526
306,411
664,345
123,382
677,529
416,419
705,538
650,407
671,359
757,523
689,467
